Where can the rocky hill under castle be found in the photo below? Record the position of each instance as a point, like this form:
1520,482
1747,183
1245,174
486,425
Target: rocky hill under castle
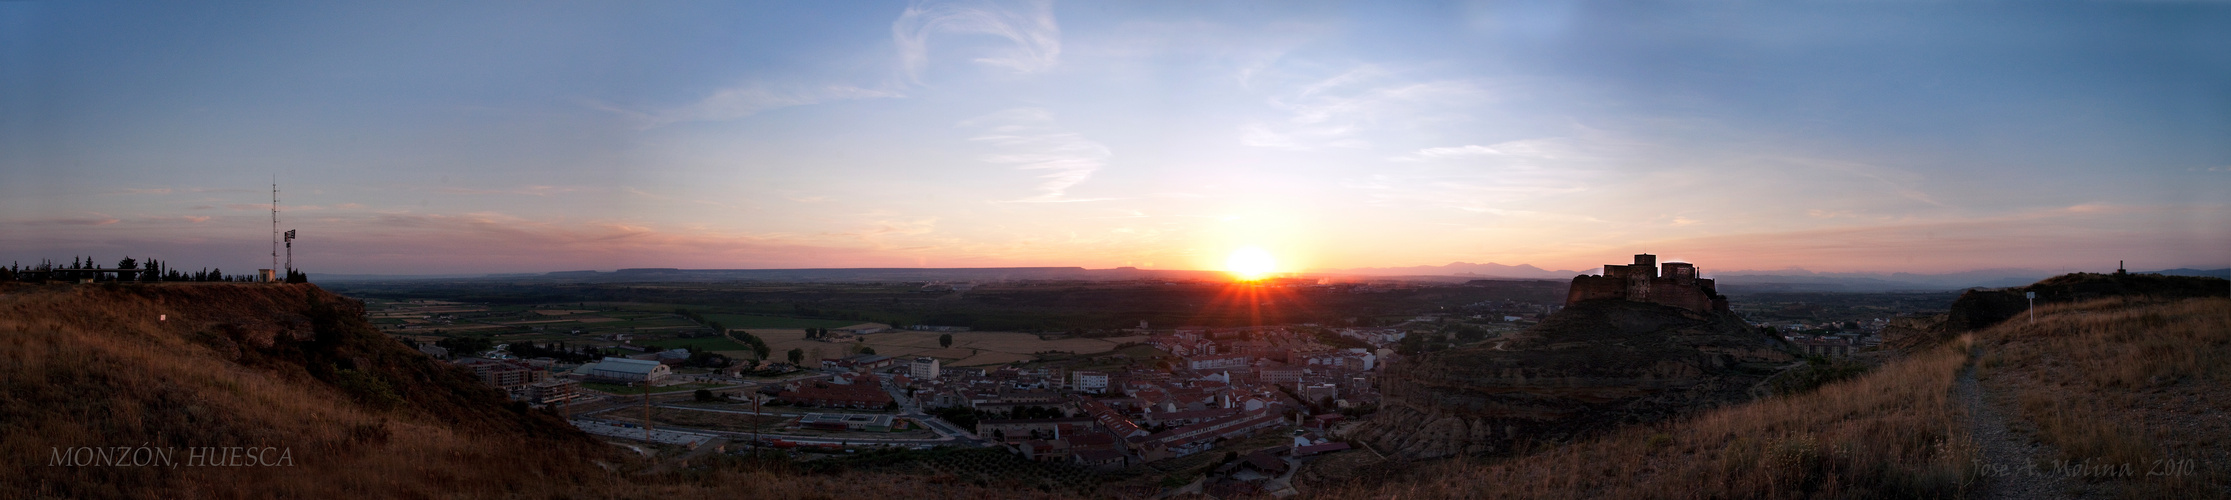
1590,367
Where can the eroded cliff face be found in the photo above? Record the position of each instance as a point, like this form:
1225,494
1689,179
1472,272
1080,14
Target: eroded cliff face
1593,366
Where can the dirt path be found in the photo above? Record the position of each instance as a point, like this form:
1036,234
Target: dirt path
2010,459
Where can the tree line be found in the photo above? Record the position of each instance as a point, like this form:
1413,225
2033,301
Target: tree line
757,345
127,270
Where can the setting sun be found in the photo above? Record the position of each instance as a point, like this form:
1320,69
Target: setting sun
1250,263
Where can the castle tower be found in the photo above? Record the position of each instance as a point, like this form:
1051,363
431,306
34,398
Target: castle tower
1639,276
1682,273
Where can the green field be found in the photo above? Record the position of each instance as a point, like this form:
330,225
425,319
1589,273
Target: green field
753,321
702,344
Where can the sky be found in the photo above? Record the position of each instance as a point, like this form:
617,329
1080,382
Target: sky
464,137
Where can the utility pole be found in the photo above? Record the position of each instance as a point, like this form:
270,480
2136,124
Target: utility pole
646,409
2033,305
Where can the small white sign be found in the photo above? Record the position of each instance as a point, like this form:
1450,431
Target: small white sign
2029,294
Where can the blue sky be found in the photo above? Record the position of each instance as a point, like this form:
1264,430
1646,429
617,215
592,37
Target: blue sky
442,137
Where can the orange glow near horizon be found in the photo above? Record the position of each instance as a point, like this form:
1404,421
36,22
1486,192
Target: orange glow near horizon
1250,263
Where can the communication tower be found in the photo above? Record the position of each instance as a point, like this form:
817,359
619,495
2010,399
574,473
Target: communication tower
275,225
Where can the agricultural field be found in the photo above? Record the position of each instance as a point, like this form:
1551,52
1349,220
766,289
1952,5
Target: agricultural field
720,345
758,321
969,348
1141,355
592,324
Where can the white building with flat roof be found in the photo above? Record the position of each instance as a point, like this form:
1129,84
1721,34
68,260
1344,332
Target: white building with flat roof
1088,381
629,370
924,368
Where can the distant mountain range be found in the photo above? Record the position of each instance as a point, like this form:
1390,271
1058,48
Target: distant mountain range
895,274
1776,280
1488,270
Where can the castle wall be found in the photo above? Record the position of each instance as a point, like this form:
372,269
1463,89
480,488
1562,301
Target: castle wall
1678,286
1669,292
1596,287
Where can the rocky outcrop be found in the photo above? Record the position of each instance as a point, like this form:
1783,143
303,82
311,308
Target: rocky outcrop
1593,366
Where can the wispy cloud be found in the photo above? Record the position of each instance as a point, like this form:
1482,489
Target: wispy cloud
645,194
1535,149
1494,179
1030,139
1901,183
1334,111
1028,24
262,207
522,190
742,101
101,220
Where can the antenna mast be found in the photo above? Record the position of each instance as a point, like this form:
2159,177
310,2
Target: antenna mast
274,222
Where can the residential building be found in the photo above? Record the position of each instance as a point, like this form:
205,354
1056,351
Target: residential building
1218,362
924,368
553,391
509,375
1046,450
1106,460
1284,375
1089,382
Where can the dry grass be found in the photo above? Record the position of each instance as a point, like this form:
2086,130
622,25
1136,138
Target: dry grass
87,366
2124,385
258,365
2108,382
1893,433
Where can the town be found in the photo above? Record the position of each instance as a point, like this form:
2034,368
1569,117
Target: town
1238,407
1169,394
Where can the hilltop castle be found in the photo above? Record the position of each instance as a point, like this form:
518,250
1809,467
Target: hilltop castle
1676,285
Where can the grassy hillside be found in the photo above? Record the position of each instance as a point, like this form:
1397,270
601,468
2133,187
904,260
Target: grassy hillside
297,371
180,366
2128,395
2100,383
